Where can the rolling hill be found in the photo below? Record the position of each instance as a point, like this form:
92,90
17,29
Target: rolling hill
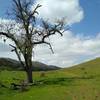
91,63
80,82
89,67
11,64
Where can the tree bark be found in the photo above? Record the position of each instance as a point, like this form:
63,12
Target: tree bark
28,62
29,75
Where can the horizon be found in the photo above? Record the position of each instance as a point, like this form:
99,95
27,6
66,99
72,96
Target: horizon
79,44
88,60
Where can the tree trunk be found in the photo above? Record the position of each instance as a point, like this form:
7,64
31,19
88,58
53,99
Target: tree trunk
28,62
29,75
28,58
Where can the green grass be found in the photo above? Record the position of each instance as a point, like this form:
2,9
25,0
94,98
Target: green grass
81,82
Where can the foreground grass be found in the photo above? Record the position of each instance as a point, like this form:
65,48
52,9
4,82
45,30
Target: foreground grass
68,84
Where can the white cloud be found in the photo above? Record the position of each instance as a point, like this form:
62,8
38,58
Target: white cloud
69,49
58,9
4,48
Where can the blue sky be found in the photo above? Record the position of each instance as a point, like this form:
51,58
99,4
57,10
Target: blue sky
4,6
90,25
79,44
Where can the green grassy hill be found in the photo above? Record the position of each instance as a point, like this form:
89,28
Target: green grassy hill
90,67
80,82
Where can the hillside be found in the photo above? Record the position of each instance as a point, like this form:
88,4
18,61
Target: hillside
89,67
80,82
91,63
10,64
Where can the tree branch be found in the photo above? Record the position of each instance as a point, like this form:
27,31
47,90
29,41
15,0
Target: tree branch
18,55
33,12
8,35
49,46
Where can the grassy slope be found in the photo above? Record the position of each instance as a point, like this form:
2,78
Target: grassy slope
81,82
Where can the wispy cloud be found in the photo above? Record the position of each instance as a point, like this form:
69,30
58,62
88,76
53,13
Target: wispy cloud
69,50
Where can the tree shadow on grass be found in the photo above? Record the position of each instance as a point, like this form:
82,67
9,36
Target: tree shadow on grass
61,80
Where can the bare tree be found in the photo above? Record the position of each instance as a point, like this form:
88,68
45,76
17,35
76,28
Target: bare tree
25,34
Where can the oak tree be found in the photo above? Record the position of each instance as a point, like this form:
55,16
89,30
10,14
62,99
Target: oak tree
25,33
